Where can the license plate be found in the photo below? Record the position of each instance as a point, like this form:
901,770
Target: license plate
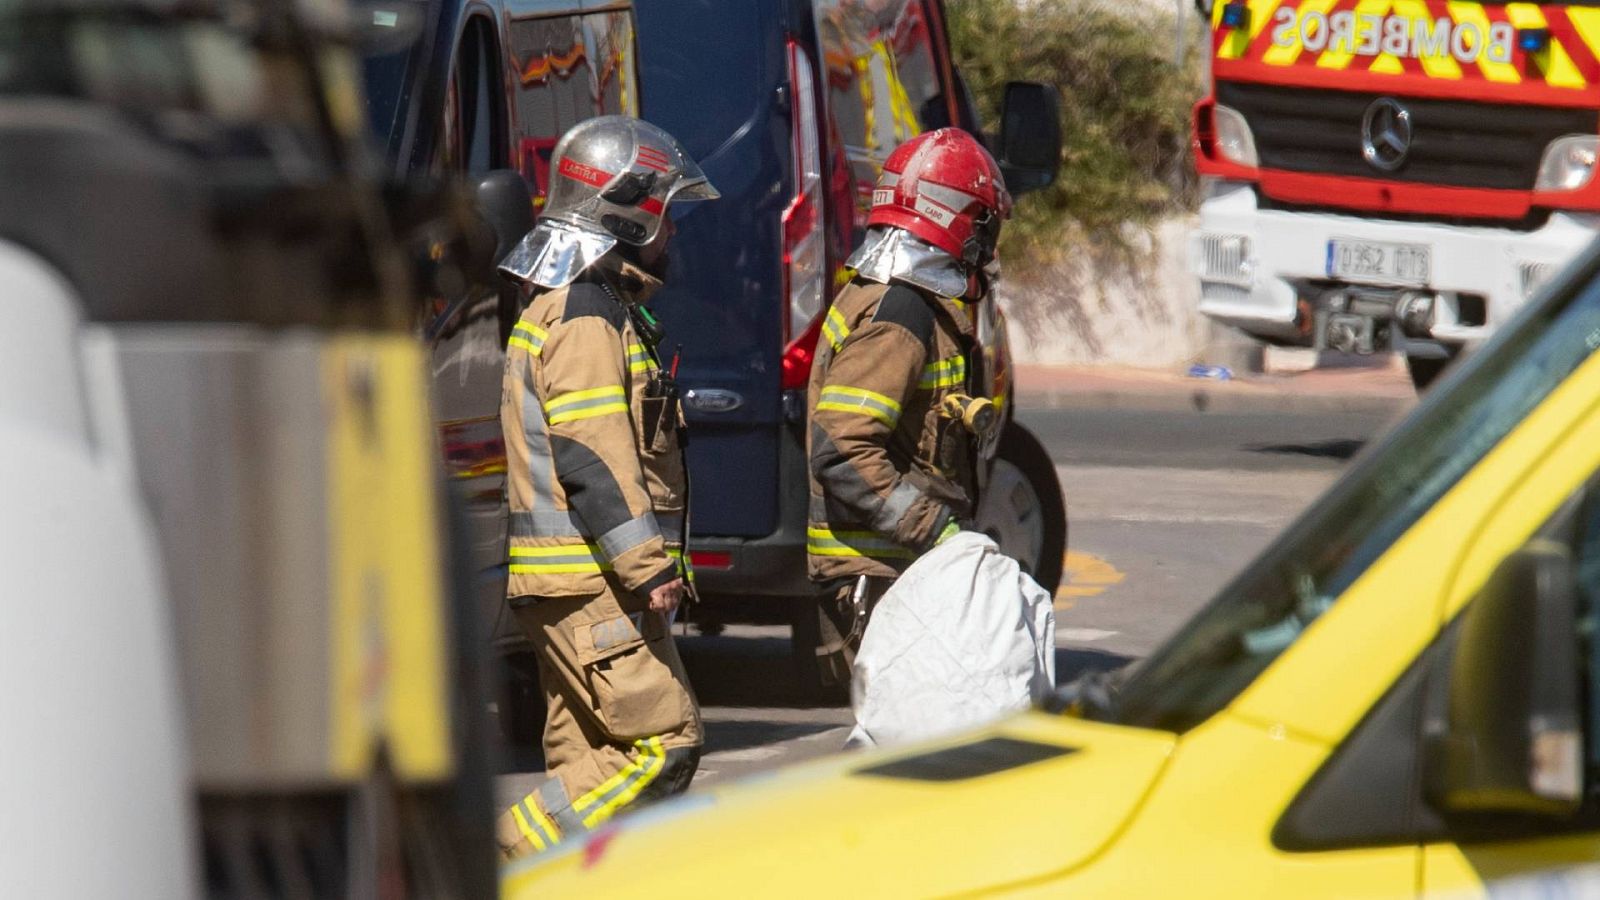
1379,262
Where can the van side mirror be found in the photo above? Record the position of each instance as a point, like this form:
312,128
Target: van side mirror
504,202
1030,136
1509,738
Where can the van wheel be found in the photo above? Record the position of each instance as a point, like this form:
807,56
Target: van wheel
1022,508
521,704
1425,371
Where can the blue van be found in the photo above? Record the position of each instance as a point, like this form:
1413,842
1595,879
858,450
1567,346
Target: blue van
791,107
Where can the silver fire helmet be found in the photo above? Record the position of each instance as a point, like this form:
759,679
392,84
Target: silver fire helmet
894,254
612,179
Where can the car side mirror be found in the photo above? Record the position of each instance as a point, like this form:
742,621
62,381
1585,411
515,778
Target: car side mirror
1030,136
1509,738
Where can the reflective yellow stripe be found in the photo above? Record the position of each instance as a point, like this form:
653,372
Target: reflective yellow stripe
835,328
540,840
688,569
586,404
947,372
610,390
860,400
620,789
590,413
825,542
639,359
528,337
560,559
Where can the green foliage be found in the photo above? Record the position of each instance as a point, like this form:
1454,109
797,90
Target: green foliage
1124,112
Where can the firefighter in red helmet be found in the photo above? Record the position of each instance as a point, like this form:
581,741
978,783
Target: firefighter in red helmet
892,472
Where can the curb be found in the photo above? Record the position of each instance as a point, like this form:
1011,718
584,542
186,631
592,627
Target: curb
1206,396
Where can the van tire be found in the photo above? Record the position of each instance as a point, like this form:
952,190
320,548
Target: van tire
1023,503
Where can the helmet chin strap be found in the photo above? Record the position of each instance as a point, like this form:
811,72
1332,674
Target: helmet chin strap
978,283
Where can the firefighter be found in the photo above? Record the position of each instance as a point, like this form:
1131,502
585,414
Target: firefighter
893,468
597,485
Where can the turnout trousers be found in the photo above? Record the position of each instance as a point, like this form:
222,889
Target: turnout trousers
623,725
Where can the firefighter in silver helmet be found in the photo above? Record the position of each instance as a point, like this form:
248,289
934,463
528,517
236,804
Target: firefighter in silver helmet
596,482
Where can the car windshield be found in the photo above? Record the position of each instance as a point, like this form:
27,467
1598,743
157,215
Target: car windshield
1220,652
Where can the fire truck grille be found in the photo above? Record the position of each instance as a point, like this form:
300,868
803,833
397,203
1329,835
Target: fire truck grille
1455,143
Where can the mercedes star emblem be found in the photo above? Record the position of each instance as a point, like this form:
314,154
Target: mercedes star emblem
1386,134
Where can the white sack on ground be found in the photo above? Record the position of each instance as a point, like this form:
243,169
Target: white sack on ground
962,638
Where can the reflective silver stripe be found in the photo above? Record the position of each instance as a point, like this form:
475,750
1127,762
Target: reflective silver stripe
671,526
553,556
541,465
825,542
835,328
640,771
535,821
843,398
546,523
629,535
553,797
566,404
948,372
894,507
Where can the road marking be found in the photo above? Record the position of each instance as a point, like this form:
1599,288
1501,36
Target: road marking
1085,575
1082,634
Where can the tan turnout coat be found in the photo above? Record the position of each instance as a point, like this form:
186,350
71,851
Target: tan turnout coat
590,504
887,470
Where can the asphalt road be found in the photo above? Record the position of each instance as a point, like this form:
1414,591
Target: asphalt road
1163,508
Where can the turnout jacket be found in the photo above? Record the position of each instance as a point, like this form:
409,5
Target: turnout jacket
887,470
591,504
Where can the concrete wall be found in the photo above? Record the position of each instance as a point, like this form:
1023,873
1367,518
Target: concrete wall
1105,308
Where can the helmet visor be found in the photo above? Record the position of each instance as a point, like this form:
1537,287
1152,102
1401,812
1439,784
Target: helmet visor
692,183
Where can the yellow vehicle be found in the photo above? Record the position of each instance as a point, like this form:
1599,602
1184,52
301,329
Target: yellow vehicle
1401,696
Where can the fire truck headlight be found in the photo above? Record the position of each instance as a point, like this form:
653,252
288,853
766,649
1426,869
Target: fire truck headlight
1569,163
1235,143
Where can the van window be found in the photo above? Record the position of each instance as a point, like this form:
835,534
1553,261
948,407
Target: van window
704,91
1222,650
918,68
567,69
882,78
473,127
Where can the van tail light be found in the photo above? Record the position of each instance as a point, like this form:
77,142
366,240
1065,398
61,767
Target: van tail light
710,559
798,355
805,252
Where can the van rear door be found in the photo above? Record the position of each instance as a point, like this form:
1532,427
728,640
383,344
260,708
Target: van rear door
713,70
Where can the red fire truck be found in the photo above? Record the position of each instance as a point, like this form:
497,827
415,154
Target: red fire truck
1393,174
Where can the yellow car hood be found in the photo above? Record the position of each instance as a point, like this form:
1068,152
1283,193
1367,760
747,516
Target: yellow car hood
1031,796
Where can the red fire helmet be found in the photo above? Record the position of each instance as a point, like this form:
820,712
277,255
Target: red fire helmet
943,187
